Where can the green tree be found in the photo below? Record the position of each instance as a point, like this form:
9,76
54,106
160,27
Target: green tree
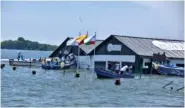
21,39
23,44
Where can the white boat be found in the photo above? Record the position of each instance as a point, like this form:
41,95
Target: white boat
26,62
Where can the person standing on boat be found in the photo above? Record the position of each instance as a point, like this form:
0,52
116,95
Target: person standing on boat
22,58
117,68
19,56
60,55
109,66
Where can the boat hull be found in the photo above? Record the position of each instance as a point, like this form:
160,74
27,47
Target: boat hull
24,63
107,74
171,71
55,67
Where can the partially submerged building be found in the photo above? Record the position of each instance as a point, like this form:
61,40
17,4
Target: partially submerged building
126,50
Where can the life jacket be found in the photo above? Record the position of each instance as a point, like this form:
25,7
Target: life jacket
62,64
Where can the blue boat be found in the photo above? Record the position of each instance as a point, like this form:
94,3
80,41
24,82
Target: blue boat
109,74
57,63
54,67
174,71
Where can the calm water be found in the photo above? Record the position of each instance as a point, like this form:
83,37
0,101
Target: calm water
56,89
12,54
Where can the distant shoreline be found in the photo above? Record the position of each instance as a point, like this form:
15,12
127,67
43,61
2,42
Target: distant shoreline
26,50
22,44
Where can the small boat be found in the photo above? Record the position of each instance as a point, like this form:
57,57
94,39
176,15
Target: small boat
33,62
109,74
174,71
57,65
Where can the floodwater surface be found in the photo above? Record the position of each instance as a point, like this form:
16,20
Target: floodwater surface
58,89
49,88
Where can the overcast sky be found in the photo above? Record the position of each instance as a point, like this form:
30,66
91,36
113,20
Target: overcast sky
52,22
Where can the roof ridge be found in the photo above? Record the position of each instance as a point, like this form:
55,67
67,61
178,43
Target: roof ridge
146,37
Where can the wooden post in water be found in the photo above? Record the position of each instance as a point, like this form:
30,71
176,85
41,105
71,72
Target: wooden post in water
30,62
167,84
140,74
140,66
94,53
180,88
151,68
77,71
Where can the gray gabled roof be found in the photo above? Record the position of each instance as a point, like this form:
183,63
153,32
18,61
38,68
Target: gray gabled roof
145,47
54,53
88,48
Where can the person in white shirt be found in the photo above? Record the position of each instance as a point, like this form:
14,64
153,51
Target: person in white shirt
117,67
123,69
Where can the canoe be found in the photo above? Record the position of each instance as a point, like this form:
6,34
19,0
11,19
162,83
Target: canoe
12,62
109,74
174,71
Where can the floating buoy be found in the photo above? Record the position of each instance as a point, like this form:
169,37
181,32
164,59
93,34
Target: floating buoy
117,82
14,68
2,66
77,75
171,88
33,72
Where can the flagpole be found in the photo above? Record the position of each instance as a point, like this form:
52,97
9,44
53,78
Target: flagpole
78,56
94,52
86,53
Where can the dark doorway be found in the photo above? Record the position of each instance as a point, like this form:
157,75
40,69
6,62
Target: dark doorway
100,65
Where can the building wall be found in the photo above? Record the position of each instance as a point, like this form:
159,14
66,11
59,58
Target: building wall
102,60
84,61
148,65
173,61
105,53
89,61
115,58
102,49
177,61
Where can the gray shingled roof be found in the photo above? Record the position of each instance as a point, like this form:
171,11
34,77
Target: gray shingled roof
89,48
145,47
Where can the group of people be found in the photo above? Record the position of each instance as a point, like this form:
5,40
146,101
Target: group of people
67,59
118,69
54,61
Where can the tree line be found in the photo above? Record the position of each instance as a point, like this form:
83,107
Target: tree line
23,44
